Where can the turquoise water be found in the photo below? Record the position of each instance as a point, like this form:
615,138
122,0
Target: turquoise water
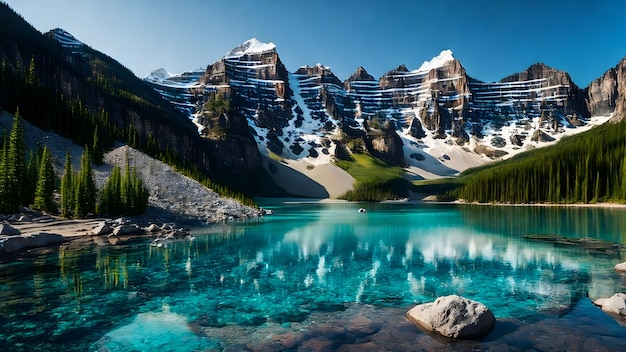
320,275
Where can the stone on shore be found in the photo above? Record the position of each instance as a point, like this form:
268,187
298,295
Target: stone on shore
615,304
41,239
127,229
621,267
453,316
153,228
102,230
8,230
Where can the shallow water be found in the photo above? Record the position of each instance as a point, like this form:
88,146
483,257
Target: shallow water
321,276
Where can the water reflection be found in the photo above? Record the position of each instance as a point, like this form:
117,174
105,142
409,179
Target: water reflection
313,258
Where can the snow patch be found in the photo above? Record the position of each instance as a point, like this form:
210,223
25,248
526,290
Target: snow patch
158,75
251,46
438,61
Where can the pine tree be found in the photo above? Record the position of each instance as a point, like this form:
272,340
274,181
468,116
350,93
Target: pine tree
97,148
85,188
15,166
67,189
32,175
44,194
4,180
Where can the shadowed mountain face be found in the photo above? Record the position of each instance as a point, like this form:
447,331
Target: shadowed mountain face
62,84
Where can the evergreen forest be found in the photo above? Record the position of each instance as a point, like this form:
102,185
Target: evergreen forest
585,168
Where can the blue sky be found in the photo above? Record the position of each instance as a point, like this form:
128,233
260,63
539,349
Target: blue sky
491,38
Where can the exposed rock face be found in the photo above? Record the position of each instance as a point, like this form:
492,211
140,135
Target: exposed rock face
621,267
607,94
416,130
615,304
327,76
386,145
453,316
541,136
359,75
8,230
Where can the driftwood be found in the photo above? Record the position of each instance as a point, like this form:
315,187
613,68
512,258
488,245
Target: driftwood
592,244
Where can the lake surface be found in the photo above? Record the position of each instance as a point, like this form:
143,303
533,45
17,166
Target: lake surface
321,276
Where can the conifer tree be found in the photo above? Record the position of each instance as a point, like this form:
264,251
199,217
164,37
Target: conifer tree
4,194
44,194
97,148
31,176
15,166
67,189
85,188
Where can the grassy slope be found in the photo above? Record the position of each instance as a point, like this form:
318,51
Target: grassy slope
376,180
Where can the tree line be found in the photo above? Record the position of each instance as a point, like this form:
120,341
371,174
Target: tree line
586,168
72,118
31,181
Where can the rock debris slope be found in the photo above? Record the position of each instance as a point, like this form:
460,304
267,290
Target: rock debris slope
174,192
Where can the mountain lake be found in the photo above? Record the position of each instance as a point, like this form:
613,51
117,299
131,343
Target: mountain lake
322,276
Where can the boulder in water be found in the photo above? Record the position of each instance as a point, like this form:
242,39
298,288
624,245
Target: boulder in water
615,304
453,316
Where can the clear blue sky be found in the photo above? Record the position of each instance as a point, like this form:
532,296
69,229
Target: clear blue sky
491,38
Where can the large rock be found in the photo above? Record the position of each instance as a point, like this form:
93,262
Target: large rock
35,240
453,316
102,230
8,230
621,267
615,304
127,229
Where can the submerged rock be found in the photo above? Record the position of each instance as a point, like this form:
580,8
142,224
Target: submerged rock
453,316
615,304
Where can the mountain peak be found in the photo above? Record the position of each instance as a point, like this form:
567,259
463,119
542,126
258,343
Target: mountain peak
252,46
158,75
438,61
65,38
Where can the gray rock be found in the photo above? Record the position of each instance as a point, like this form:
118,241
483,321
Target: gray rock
152,228
43,239
35,240
8,230
127,229
615,304
13,244
453,316
102,230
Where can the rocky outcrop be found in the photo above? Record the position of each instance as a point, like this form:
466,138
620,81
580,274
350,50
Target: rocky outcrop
385,144
415,129
615,304
8,230
541,136
607,94
327,76
15,244
621,267
453,316
359,75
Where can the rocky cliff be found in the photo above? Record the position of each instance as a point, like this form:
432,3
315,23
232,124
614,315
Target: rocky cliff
311,114
607,94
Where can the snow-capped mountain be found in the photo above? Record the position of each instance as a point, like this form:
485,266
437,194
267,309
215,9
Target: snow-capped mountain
435,119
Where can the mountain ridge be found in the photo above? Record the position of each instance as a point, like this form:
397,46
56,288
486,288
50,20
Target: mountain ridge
432,112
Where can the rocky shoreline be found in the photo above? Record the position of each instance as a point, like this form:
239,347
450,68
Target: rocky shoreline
30,230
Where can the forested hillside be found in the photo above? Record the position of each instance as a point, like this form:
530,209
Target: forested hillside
86,96
585,168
